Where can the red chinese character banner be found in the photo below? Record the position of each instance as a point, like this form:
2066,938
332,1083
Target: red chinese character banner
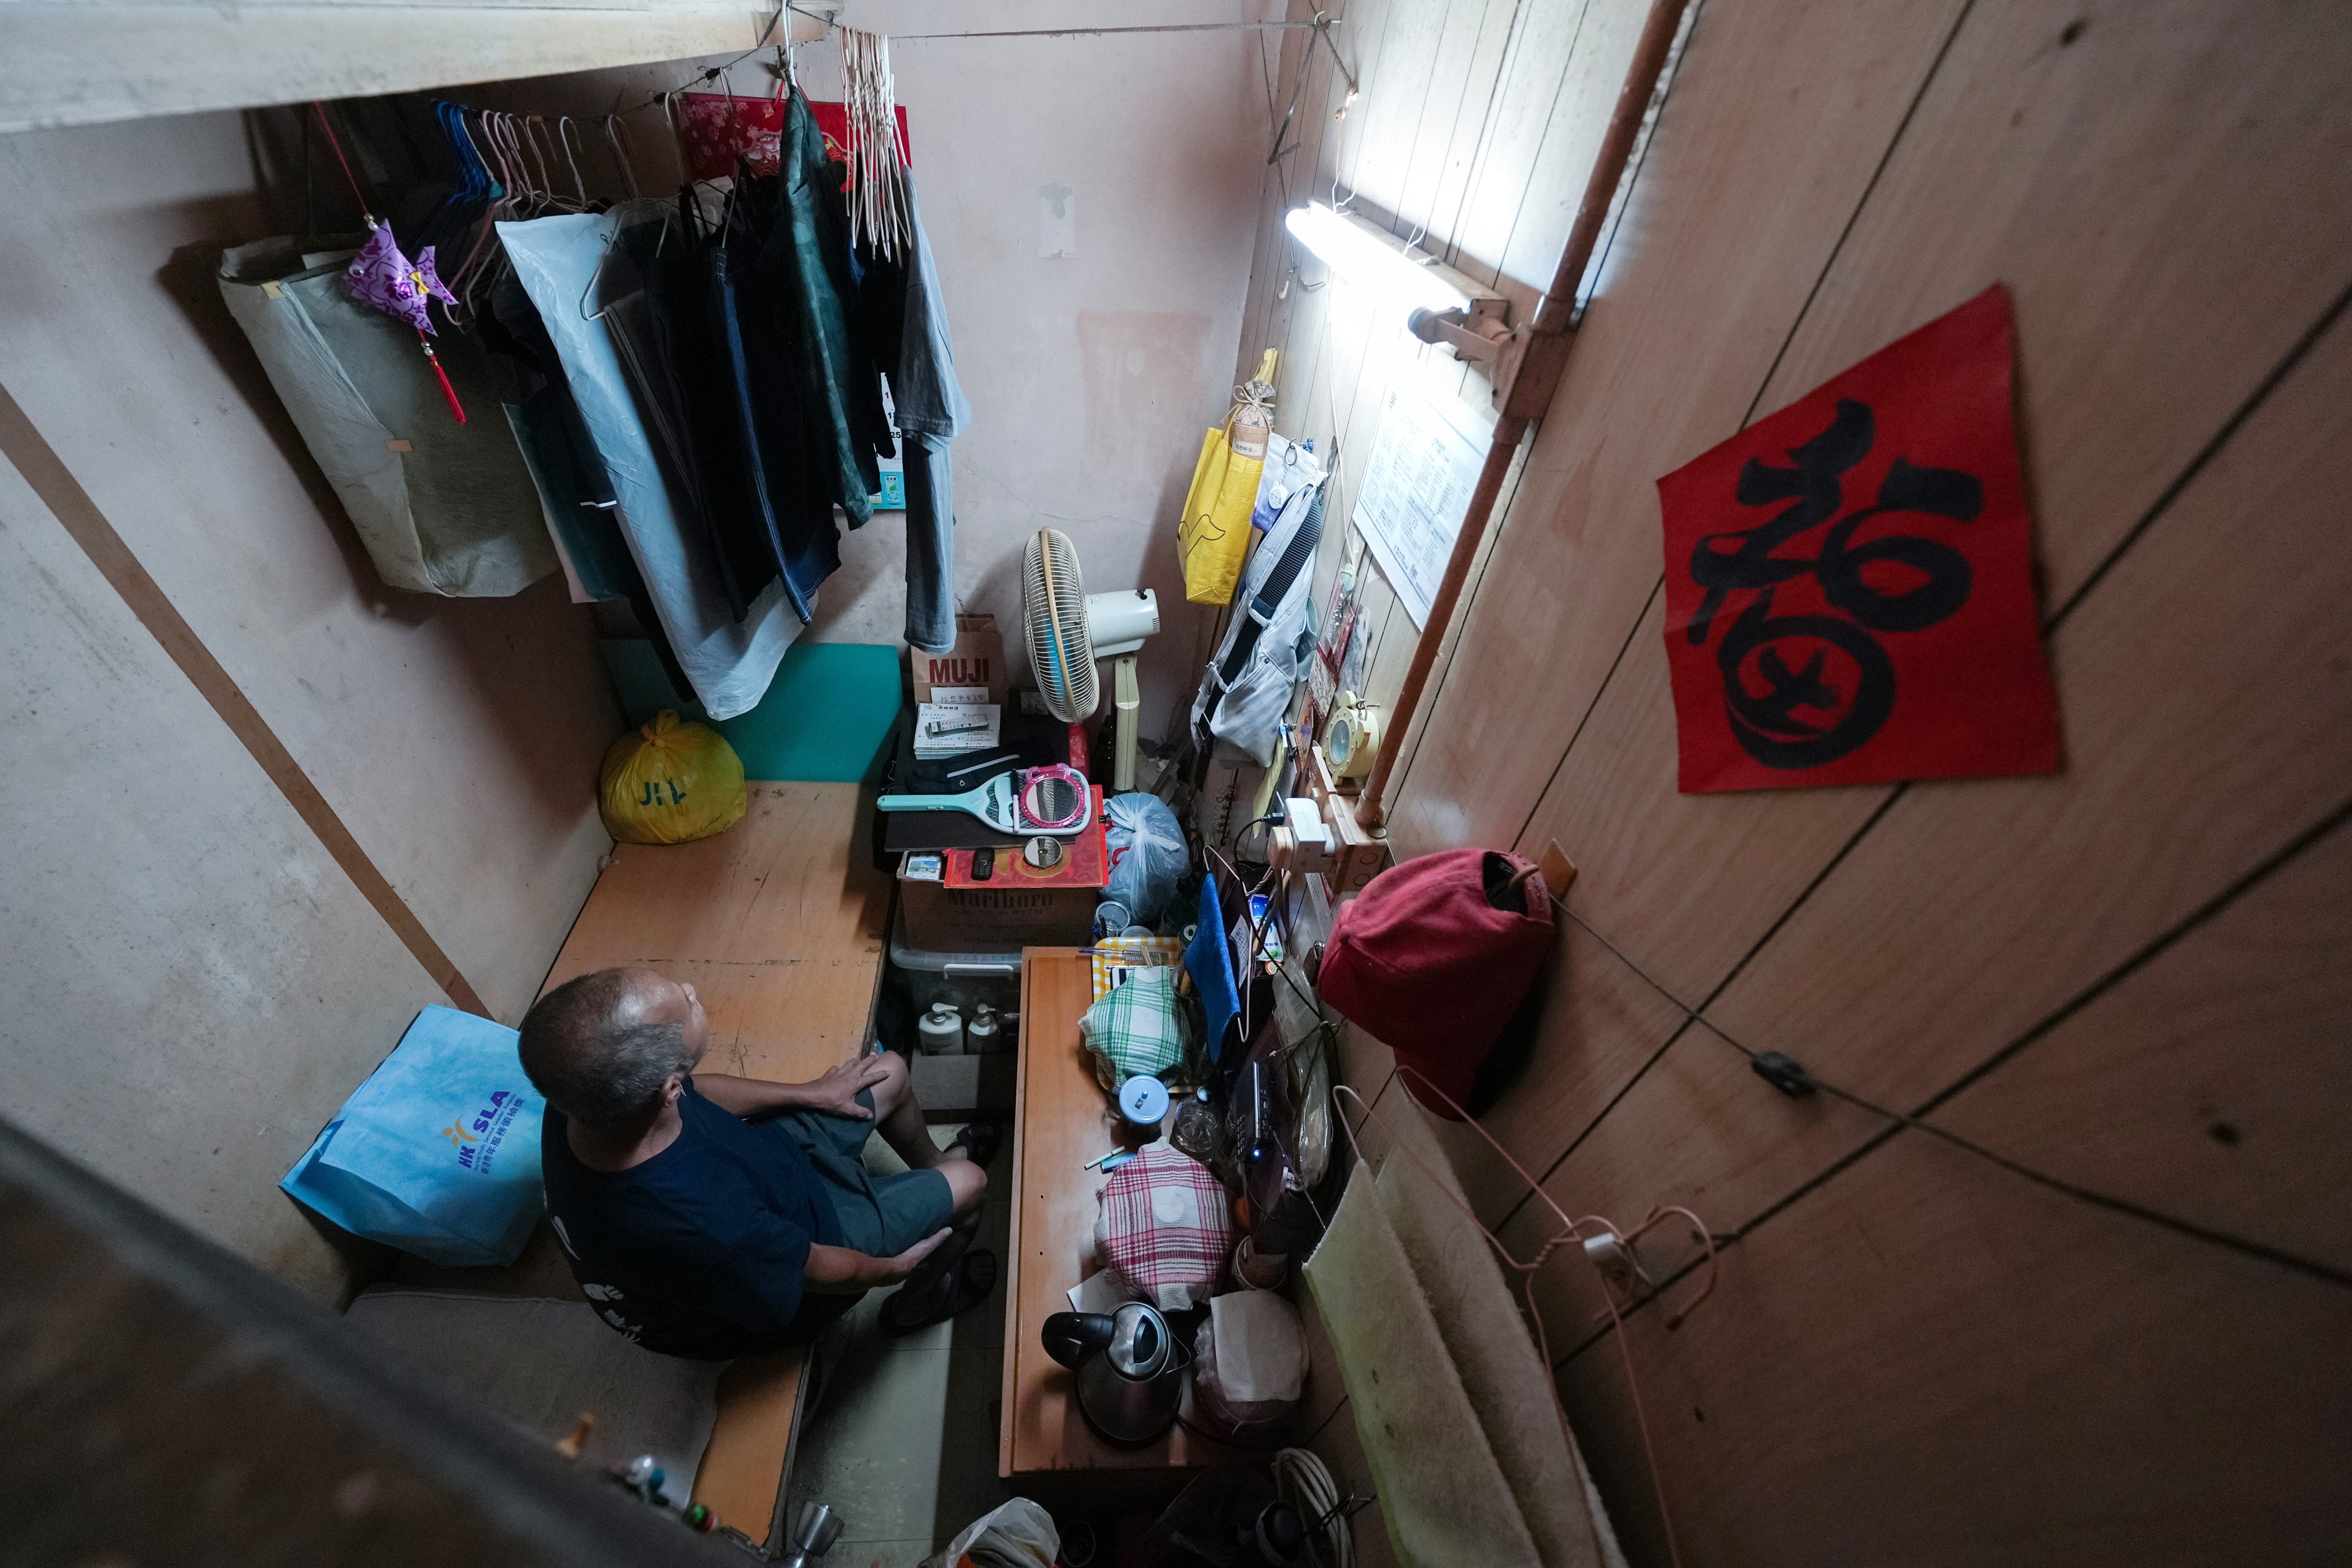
1850,581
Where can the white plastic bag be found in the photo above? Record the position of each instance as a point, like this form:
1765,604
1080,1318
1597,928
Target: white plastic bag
1148,857
1019,1534
1249,1364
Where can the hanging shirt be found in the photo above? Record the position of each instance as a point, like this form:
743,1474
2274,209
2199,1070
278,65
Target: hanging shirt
730,658
700,1251
787,499
931,411
807,255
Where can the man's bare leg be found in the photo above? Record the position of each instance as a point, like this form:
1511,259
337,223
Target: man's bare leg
929,1289
900,1121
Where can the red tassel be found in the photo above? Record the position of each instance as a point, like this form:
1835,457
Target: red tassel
447,391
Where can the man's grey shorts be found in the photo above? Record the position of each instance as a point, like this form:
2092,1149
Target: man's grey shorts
880,1215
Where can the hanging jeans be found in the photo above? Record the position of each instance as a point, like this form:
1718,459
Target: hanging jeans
932,413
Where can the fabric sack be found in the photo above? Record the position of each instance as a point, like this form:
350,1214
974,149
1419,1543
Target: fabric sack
443,507
437,1152
1433,957
1165,1230
1138,1029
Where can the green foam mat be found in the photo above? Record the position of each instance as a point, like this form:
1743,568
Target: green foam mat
825,717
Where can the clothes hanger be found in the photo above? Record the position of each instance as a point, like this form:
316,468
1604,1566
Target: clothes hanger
479,270
563,132
614,134
533,127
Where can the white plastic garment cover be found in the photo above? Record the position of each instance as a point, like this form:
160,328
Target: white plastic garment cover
443,507
1245,693
729,662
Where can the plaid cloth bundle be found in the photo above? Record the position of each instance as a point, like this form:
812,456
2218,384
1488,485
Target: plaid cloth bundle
1139,1028
1165,1228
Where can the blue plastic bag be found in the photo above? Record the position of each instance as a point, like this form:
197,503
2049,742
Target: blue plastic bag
437,1152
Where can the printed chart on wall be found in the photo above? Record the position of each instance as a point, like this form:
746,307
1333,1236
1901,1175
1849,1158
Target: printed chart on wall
1415,489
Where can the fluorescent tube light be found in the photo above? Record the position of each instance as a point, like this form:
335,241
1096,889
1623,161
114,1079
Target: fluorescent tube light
1372,259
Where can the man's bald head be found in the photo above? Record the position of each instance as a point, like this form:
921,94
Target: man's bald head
605,1049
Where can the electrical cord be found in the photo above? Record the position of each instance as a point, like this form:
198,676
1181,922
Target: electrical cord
1304,1481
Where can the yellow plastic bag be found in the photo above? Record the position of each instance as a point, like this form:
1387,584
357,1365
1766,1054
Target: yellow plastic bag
669,782
1213,539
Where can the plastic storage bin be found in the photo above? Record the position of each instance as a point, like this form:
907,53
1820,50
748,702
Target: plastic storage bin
964,980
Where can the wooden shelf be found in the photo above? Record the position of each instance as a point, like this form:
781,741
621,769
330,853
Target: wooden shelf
1061,1119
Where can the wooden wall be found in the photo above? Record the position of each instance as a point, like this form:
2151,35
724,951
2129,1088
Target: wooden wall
2061,1275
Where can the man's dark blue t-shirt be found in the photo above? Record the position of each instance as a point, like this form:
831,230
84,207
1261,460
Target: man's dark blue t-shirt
700,1251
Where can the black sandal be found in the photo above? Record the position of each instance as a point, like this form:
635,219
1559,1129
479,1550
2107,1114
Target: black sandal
979,1140
975,1276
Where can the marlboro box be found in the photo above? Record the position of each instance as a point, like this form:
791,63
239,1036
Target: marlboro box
970,675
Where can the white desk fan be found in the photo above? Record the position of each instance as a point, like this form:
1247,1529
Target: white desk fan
1069,628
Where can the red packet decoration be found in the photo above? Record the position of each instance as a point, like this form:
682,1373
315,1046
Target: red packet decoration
1850,585
718,128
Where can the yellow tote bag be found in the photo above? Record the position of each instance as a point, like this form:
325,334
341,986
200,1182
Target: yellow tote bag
1213,539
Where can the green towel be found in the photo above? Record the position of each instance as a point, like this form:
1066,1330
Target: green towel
1138,1029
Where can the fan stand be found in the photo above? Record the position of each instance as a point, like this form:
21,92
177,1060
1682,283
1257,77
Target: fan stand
1127,698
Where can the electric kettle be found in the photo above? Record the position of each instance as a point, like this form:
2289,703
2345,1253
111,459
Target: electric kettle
1129,1366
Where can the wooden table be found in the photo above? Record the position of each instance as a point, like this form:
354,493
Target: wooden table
1061,1119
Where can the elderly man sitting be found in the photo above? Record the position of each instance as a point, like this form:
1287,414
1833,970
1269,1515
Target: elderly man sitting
714,1217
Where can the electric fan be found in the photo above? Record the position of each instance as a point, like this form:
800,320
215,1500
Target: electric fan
1068,629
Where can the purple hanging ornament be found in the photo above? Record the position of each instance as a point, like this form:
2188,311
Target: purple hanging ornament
380,276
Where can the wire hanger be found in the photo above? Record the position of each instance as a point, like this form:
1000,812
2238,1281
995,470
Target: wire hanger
616,133
563,134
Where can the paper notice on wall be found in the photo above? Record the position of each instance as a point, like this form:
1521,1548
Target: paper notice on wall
1415,489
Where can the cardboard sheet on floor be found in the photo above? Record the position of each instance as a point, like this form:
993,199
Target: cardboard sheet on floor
1481,1471
826,717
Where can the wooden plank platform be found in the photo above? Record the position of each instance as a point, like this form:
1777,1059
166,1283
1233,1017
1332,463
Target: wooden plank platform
779,923
1061,1119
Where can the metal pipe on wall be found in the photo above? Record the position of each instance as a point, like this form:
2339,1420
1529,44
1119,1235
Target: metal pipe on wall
1526,378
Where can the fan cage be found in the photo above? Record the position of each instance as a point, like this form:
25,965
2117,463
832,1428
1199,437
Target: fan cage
1054,613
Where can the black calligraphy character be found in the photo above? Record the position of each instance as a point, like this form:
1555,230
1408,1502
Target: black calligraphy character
1768,725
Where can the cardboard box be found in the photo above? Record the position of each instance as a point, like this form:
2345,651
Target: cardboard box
976,660
1018,906
996,917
